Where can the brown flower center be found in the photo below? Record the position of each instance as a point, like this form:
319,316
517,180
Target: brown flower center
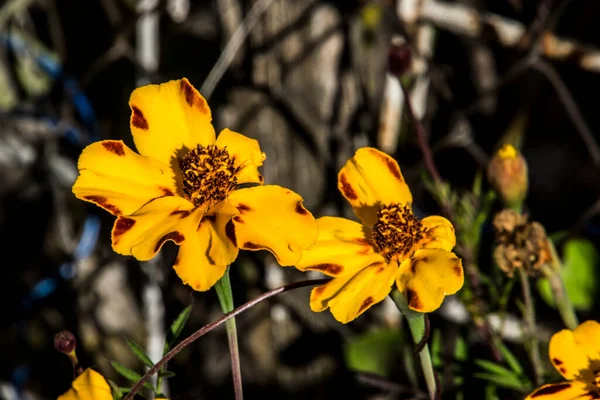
397,231
208,175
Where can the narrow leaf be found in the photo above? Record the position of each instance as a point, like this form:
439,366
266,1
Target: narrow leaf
502,381
494,368
511,360
166,374
129,374
176,328
140,353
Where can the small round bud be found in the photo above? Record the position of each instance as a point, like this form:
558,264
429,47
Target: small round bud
507,173
399,59
65,342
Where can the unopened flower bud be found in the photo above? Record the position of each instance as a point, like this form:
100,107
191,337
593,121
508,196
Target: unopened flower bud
65,342
399,59
507,173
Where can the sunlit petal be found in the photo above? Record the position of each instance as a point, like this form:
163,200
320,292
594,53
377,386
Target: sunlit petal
90,385
576,354
573,390
438,233
368,180
119,180
246,155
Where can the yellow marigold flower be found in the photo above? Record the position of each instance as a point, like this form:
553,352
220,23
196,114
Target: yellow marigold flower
90,385
183,186
576,355
390,244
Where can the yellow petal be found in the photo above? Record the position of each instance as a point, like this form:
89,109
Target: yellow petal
273,218
119,180
349,295
576,354
439,233
572,390
90,385
246,155
143,233
427,277
169,119
368,180
342,247
204,255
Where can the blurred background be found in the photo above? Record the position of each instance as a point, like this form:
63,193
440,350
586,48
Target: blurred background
312,81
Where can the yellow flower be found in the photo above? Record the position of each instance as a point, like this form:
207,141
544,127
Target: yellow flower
90,385
576,355
390,244
184,187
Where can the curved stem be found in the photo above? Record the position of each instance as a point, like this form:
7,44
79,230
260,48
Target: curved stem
419,330
209,327
225,295
529,317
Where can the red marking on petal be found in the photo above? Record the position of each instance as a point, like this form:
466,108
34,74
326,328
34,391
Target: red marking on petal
413,300
333,269
181,213
114,147
556,361
122,226
174,236
166,191
230,232
192,97
251,246
243,208
346,189
238,219
137,119
103,202
300,209
368,301
551,389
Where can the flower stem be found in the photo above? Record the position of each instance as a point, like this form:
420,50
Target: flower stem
416,324
223,289
561,297
529,317
207,328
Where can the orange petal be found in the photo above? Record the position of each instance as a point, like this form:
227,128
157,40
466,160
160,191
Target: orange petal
169,119
439,233
119,180
572,390
349,295
204,255
370,179
143,233
90,385
576,354
427,277
246,155
273,218
343,247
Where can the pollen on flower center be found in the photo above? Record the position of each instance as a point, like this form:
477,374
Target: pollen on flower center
208,175
397,231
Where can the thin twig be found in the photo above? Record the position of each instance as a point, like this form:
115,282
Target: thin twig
571,107
232,47
421,137
207,328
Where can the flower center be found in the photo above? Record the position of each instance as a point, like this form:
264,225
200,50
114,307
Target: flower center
208,175
397,231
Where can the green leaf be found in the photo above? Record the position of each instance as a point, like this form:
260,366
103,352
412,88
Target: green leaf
115,390
166,374
129,374
140,353
579,273
373,352
510,359
176,328
494,368
509,382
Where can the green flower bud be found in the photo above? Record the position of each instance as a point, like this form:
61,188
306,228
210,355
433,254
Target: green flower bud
507,173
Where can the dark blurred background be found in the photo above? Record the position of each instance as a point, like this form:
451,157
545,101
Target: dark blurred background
312,81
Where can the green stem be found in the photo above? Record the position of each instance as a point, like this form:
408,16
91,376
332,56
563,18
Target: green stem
223,288
416,324
559,292
529,318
